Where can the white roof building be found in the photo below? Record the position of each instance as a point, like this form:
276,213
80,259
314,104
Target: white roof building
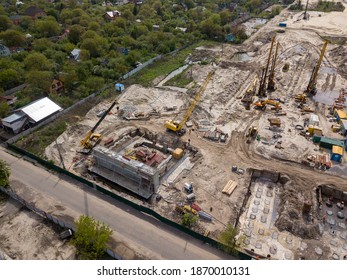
30,115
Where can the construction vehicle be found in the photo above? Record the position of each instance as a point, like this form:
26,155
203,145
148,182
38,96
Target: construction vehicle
271,81
262,104
300,98
249,95
92,139
311,87
251,134
262,87
176,126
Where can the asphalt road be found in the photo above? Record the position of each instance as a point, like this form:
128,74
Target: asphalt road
138,231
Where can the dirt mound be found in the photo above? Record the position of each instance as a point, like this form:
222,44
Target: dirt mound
291,217
339,56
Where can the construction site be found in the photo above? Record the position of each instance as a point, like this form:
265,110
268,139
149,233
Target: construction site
257,140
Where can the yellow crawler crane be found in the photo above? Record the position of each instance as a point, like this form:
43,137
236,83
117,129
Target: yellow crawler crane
271,82
311,87
262,87
176,126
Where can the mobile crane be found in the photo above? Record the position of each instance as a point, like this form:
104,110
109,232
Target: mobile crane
311,87
91,138
176,126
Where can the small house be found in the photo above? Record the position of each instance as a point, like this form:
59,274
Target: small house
75,54
16,19
34,12
336,153
112,15
30,115
56,87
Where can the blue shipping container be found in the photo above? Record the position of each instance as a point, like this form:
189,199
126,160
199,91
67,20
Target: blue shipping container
282,24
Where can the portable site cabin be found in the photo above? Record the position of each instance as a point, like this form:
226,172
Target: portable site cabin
340,115
336,153
328,143
314,120
344,127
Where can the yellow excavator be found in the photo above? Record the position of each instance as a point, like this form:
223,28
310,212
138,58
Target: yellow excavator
311,87
261,104
176,126
91,139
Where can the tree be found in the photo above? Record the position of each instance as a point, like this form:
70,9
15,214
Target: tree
9,78
90,238
4,173
48,27
75,33
12,38
188,220
229,239
37,61
40,80
5,22
4,109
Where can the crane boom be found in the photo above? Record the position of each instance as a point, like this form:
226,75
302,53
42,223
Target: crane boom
261,91
85,141
311,87
177,127
271,82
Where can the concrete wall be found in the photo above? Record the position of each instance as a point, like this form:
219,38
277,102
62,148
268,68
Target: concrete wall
272,176
331,191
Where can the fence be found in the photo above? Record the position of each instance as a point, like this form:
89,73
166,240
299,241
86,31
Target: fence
45,215
140,208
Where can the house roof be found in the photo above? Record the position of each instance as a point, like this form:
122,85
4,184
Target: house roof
15,17
113,13
14,117
40,109
33,10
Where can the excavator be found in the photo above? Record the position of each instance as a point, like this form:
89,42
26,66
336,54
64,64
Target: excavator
92,139
261,104
176,126
311,87
252,134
